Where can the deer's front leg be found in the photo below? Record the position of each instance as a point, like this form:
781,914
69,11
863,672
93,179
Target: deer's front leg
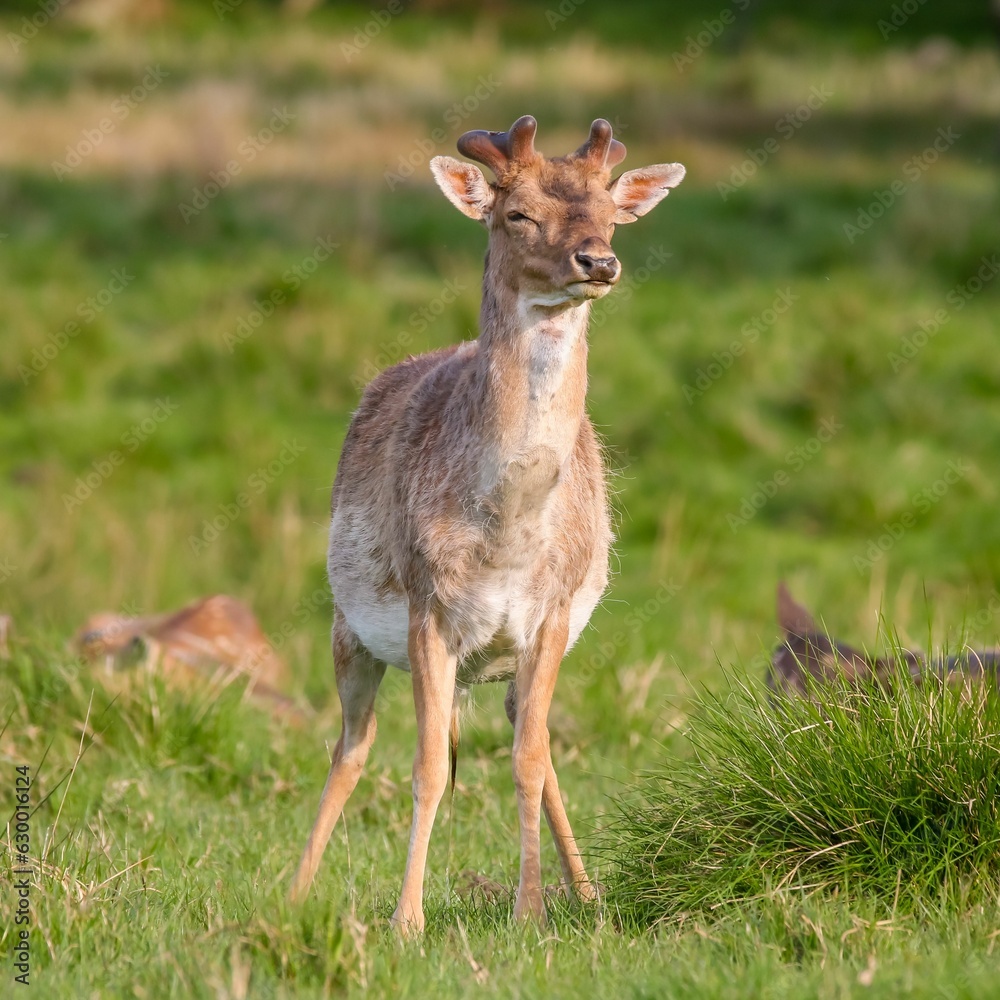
536,680
432,668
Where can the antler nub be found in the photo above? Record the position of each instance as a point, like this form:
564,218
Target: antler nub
600,149
501,150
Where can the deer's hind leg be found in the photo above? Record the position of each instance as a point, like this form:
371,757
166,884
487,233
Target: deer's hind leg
358,677
574,873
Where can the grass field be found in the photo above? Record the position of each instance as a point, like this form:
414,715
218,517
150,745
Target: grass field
214,229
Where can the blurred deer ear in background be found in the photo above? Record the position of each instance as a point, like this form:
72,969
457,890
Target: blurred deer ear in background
792,617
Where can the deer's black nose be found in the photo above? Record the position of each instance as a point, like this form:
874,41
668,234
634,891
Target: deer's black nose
595,268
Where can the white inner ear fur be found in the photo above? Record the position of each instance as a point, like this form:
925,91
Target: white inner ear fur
464,186
639,191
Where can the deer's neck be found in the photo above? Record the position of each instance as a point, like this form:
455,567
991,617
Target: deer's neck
532,383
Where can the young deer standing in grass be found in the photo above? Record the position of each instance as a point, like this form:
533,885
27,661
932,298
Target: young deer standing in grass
470,531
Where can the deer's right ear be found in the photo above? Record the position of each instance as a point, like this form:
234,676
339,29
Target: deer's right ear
464,186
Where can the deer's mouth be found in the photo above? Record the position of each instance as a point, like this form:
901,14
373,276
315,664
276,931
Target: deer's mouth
592,288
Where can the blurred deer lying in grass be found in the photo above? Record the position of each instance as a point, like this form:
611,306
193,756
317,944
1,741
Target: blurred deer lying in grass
470,531
809,656
211,637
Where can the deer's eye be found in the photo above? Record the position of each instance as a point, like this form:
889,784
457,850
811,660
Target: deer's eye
518,217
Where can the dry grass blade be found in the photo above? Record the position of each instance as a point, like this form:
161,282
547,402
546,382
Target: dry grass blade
81,750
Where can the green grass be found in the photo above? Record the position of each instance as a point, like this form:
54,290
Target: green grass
170,849
886,800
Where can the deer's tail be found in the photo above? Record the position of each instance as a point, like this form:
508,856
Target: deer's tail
453,742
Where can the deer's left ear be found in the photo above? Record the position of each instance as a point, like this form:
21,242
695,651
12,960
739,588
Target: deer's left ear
464,186
637,192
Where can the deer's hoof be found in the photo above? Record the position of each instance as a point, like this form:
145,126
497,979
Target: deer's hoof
407,922
530,906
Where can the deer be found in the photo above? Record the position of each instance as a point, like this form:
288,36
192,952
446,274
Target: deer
217,635
470,530
809,659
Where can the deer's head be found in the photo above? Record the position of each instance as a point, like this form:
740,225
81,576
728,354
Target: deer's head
551,220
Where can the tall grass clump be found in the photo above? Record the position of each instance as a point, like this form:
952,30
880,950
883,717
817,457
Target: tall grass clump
891,797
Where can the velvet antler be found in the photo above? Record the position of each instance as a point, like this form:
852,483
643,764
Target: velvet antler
501,150
600,149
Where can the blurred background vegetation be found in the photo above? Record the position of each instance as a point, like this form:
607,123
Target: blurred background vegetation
202,150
